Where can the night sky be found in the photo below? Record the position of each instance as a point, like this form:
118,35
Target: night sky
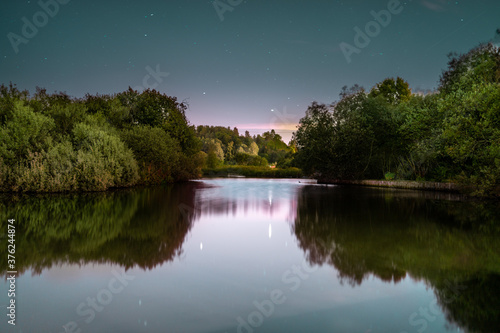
253,64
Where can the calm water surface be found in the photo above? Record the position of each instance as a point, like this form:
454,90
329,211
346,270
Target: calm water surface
248,255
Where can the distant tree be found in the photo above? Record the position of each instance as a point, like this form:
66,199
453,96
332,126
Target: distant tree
247,139
242,149
212,160
253,149
215,146
393,91
229,153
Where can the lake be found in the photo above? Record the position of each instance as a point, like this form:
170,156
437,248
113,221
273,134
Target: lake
252,255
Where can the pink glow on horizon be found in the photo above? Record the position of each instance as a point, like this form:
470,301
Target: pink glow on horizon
267,127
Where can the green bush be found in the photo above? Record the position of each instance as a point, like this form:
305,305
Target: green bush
103,160
25,131
246,159
189,167
51,171
155,151
66,117
4,173
52,142
212,161
32,175
389,176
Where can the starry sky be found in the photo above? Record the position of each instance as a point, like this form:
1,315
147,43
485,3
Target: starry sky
254,64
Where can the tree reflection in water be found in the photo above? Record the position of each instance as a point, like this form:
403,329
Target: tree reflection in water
452,245
135,227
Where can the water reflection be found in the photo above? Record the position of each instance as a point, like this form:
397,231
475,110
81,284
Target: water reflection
451,245
386,247
116,227
271,198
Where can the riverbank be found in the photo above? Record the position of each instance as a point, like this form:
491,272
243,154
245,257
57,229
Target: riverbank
401,184
251,171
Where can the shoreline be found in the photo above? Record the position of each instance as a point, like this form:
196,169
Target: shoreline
400,184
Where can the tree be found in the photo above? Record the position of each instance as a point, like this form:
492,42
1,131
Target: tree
314,138
471,134
393,91
212,160
26,131
421,156
156,152
481,64
253,149
229,154
52,142
353,138
213,145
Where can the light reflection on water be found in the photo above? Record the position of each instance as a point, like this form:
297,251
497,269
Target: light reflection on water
249,255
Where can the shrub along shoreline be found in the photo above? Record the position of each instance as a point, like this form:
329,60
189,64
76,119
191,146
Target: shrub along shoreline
52,143
400,184
55,143
252,171
450,135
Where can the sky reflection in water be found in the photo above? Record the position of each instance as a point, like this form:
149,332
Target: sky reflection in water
333,259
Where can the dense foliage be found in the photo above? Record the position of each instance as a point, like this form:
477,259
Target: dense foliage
53,143
452,134
452,245
253,171
224,146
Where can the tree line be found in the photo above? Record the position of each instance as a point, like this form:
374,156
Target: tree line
224,146
449,135
55,143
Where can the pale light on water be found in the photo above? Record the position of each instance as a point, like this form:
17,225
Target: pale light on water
247,255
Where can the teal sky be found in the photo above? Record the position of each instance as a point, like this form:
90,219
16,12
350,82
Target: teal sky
259,67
